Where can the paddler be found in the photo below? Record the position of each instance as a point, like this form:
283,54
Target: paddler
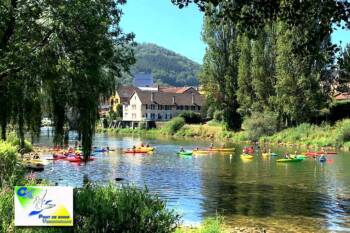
182,149
211,146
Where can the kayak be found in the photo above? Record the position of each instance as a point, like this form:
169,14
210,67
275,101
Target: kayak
59,156
222,149
246,156
100,150
290,160
298,156
201,152
35,167
131,151
315,153
77,159
269,154
145,148
185,153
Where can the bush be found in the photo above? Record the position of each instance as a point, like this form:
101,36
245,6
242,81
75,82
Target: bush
191,117
127,209
103,209
8,163
218,115
13,140
173,125
260,124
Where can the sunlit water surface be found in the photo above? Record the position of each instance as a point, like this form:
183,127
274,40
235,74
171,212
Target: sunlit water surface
306,196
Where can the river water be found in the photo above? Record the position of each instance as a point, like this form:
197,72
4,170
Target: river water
301,197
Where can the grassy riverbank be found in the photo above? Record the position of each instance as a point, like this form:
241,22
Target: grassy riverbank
326,135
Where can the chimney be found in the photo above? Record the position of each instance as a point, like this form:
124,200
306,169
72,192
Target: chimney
173,99
152,97
192,98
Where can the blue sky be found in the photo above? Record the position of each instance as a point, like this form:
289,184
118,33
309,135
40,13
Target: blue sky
162,23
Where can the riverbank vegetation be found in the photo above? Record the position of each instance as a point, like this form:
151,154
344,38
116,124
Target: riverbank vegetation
96,208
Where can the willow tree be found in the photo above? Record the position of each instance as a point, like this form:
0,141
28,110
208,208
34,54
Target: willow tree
71,50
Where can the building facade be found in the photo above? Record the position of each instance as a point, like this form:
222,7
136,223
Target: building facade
160,106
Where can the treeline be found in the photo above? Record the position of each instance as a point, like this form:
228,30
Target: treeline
167,67
280,72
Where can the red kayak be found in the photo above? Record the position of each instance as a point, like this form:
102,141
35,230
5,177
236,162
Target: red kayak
59,156
77,159
316,153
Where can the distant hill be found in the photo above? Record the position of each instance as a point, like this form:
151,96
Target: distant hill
168,68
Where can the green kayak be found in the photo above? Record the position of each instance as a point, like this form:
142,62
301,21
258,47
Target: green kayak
290,160
184,153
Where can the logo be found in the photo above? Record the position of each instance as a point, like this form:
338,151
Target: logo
43,206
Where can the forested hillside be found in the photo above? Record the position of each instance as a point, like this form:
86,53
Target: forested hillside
167,67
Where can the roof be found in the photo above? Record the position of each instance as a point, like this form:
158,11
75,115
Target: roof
164,98
143,80
125,92
175,89
343,96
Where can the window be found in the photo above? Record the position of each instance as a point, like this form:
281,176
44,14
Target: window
159,116
193,107
146,106
186,107
153,116
199,107
133,107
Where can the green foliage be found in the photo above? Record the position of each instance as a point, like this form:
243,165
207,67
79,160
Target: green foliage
172,126
191,117
13,140
314,135
218,115
8,163
127,209
210,225
167,68
119,111
67,53
260,124
218,76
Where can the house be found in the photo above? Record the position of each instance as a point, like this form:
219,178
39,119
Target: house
160,106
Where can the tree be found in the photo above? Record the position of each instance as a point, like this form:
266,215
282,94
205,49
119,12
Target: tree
251,15
219,73
71,51
245,94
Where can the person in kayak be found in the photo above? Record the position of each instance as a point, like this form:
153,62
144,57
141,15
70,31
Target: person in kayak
182,149
211,146
36,156
286,156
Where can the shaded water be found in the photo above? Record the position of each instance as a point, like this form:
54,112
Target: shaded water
305,196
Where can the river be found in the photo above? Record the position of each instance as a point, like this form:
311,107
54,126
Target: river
306,196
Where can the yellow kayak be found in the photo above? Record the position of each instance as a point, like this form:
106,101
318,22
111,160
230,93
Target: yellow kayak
35,161
246,156
222,149
200,152
144,148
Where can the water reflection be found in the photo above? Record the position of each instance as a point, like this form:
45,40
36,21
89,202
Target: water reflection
310,194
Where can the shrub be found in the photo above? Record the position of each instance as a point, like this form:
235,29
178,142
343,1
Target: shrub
260,124
9,168
191,117
127,209
218,115
173,125
13,140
